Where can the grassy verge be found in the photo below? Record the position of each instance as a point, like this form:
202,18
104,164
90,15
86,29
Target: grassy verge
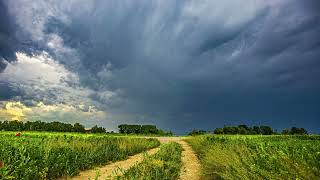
164,165
48,156
258,157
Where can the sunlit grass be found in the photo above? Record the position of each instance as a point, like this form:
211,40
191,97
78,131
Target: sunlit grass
165,164
258,157
52,155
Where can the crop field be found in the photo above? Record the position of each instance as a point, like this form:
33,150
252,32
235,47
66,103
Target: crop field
258,157
165,164
53,155
47,155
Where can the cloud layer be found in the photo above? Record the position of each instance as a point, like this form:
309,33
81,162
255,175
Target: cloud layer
199,63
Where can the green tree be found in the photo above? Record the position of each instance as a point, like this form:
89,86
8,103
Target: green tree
196,132
149,129
266,130
230,130
77,127
96,129
256,130
218,131
295,131
242,130
286,132
15,126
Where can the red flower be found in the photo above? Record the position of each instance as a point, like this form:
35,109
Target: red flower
18,134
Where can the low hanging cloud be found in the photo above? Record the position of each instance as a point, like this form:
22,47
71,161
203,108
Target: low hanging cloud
204,63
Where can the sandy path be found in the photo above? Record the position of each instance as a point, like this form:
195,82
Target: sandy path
191,165
189,171
109,170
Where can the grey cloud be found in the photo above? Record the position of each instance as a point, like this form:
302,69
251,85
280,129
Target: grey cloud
6,37
201,62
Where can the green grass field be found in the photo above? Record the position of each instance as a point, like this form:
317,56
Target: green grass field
52,155
46,155
164,165
258,157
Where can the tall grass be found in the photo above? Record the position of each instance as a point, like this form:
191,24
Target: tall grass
258,157
52,155
164,165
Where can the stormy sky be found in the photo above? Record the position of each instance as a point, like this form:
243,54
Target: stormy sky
179,64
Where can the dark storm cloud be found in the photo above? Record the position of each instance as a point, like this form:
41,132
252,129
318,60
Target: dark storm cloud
203,63
12,39
7,52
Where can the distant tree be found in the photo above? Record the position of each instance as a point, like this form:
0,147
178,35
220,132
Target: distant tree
15,126
77,127
38,126
28,126
161,132
266,130
129,129
256,130
5,126
58,127
149,129
295,131
218,131
298,131
196,132
170,133
122,128
286,132
244,127
230,130
141,129
35,126
242,130
96,129
135,129
1,126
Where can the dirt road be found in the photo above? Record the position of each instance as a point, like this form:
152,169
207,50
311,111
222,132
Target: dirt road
111,169
189,171
191,165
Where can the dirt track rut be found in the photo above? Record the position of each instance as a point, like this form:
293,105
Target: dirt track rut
189,171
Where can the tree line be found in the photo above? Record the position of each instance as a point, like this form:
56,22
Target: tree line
47,126
77,127
141,129
244,129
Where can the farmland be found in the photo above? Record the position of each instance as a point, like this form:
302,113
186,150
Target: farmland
165,164
258,157
48,155
53,155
